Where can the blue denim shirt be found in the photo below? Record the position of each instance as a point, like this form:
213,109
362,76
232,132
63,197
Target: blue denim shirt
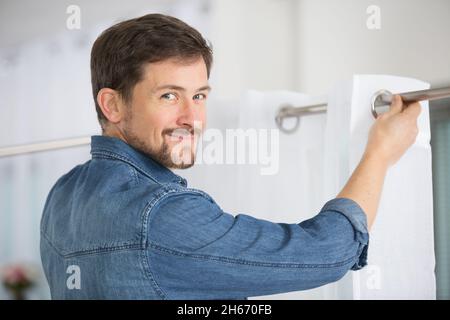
122,226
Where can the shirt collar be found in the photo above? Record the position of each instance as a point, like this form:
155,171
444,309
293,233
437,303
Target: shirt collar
111,147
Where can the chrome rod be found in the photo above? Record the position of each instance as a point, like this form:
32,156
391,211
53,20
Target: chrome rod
421,95
44,146
290,111
379,99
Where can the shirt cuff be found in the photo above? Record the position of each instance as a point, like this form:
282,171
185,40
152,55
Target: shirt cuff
355,214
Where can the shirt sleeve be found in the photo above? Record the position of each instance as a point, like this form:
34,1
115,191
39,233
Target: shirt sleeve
196,250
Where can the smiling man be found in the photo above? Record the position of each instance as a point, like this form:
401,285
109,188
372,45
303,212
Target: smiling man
124,226
161,116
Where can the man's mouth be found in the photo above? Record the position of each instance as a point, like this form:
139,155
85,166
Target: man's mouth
180,136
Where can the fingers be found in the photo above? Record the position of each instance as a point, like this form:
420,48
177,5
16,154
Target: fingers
396,104
413,110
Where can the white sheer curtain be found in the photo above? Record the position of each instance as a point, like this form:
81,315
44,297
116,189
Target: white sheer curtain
401,251
45,89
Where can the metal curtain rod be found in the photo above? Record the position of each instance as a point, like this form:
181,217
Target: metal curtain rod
44,146
379,99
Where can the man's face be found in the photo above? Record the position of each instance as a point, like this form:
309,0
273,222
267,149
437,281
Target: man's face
167,112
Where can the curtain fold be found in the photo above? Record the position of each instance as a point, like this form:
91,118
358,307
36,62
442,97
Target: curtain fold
401,250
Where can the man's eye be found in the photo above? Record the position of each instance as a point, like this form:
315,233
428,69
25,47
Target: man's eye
168,95
203,96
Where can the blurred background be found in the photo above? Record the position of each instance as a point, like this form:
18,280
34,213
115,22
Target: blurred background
298,45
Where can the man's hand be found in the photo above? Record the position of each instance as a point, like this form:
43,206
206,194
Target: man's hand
394,131
390,136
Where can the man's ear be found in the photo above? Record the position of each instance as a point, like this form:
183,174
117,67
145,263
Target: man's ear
111,105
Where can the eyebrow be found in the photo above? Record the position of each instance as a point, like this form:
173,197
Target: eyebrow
175,87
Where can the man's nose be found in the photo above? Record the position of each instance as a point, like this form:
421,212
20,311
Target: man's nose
189,114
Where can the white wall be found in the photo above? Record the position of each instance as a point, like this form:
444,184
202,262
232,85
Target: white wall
253,40
334,42
24,20
308,45
303,45
254,46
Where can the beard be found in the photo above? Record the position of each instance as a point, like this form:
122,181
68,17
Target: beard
179,156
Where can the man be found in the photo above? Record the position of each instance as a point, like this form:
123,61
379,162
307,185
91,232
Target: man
124,226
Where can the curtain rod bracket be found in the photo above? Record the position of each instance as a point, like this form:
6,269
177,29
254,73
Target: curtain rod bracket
381,98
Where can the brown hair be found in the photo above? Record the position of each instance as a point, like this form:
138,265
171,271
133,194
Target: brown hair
120,52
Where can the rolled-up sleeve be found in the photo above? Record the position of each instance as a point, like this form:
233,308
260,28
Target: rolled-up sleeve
355,214
196,250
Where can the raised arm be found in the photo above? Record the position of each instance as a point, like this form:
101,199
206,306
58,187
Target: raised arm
390,136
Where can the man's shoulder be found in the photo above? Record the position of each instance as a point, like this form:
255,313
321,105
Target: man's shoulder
185,219
98,203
